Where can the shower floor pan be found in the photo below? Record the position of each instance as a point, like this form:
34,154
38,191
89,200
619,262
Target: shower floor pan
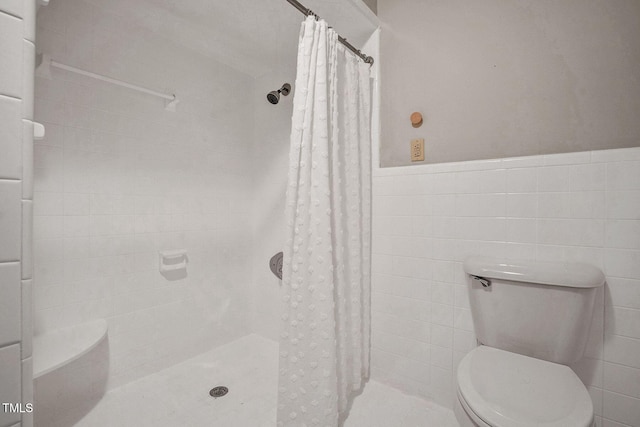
179,395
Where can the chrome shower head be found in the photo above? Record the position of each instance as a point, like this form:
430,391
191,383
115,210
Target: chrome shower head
274,96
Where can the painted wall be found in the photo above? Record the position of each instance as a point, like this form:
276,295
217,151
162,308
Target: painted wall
118,179
373,5
565,207
17,56
498,78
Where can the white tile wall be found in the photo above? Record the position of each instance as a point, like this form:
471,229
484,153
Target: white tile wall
10,379
16,72
10,130
12,7
427,219
271,160
27,239
10,206
27,389
27,318
9,303
118,178
27,159
11,39
29,63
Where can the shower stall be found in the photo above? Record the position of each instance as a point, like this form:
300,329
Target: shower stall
159,190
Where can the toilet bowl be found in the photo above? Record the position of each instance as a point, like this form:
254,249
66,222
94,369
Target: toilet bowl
531,320
497,388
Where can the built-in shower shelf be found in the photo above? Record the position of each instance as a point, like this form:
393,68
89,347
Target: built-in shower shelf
54,349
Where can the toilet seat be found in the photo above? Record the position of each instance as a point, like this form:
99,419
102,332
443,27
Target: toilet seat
504,389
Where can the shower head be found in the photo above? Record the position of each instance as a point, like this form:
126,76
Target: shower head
274,96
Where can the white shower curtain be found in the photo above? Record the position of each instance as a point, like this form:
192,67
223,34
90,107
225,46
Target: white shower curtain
324,344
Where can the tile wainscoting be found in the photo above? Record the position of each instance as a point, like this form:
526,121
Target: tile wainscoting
575,207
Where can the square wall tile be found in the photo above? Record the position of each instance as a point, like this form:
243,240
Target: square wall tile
554,178
625,322
9,303
12,7
10,136
11,379
29,20
622,379
623,204
622,263
27,239
622,350
27,159
10,219
624,292
11,54
588,177
27,318
28,76
27,390
523,180
621,408
623,175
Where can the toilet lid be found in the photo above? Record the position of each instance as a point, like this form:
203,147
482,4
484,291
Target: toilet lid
511,390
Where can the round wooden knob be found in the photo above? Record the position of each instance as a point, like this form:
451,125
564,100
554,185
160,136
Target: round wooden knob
416,119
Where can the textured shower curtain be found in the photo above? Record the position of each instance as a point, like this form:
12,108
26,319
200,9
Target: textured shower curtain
324,345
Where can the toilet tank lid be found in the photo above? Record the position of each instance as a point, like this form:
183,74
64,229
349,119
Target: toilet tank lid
570,274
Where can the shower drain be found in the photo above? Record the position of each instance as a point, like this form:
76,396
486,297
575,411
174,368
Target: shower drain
218,391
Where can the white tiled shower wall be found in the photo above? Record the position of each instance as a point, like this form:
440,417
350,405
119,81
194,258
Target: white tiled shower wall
17,56
118,178
271,161
575,207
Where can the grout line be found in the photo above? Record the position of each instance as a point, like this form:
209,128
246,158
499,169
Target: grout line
624,336
421,362
617,364
617,422
621,394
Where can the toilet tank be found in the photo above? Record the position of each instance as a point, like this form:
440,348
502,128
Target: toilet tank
538,309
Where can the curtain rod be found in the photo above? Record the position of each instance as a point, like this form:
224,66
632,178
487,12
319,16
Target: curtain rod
308,12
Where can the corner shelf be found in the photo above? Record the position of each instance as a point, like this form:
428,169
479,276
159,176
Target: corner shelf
54,349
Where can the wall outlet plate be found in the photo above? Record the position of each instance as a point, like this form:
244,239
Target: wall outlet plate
417,150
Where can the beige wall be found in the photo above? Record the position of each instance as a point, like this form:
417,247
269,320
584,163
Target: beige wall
500,78
373,5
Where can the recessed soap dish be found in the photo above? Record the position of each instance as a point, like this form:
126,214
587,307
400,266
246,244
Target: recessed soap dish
173,260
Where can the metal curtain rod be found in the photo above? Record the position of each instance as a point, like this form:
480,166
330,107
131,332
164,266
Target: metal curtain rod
308,12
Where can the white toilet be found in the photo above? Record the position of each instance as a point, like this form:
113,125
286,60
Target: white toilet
531,319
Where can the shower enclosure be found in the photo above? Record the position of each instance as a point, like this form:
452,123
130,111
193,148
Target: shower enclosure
158,201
